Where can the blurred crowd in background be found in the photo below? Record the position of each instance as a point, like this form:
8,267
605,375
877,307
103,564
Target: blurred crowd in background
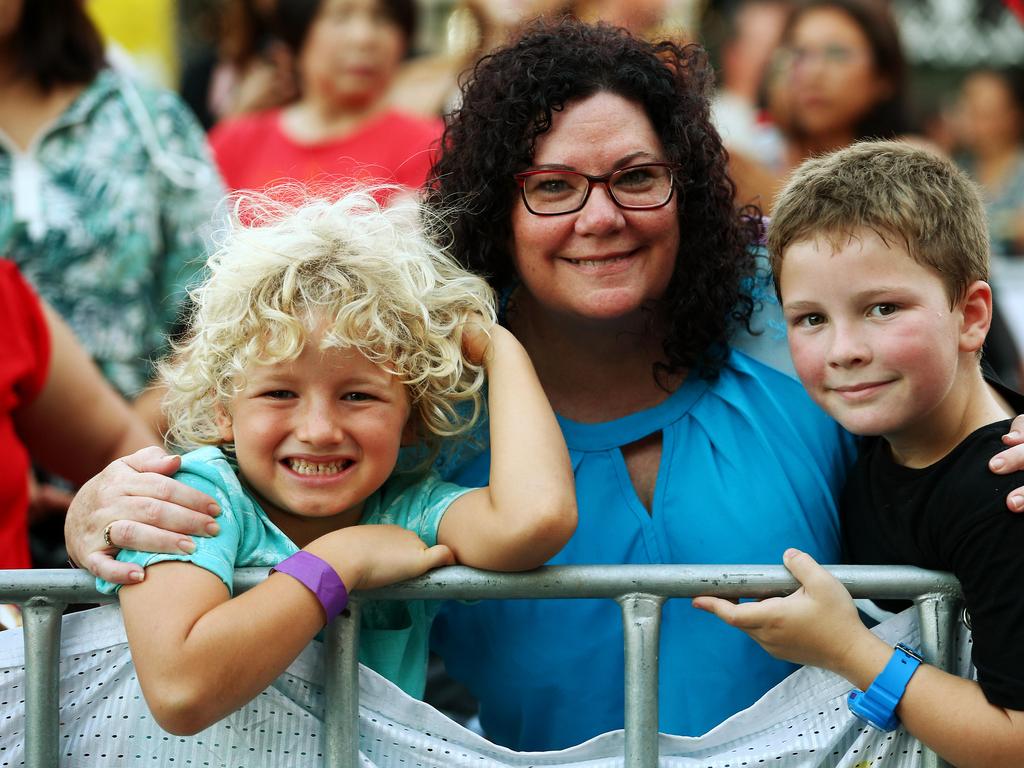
795,79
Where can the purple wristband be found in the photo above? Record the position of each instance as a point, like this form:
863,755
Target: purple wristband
320,578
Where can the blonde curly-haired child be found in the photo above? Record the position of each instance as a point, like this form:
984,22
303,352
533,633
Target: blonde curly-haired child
327,336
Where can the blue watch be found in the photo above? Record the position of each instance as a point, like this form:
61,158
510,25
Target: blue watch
877,705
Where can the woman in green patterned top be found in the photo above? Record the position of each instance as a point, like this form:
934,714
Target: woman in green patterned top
107,189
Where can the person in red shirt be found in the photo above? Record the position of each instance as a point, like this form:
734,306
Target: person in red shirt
341,128
55,409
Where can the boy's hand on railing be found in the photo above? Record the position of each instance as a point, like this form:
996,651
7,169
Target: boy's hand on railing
1012,460
139,507
816,625
372,556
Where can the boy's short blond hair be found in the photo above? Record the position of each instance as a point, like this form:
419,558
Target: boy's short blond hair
373,274
903,193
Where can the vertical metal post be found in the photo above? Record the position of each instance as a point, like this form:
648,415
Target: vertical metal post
936,615
41,619
641,624
341,695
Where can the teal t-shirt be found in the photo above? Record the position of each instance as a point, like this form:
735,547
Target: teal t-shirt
393,634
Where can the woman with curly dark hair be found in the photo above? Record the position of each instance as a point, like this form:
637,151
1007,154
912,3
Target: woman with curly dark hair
589,187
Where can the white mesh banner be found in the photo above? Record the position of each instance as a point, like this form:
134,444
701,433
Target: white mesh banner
802,722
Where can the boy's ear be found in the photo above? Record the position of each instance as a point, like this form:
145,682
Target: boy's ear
976,308
223,421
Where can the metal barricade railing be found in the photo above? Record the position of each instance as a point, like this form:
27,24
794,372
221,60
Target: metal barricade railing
640,591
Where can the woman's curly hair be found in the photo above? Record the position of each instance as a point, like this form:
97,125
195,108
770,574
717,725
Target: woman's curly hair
508,102
370,277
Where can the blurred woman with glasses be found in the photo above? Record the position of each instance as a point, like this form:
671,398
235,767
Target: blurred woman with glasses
840,77
847,75
991,133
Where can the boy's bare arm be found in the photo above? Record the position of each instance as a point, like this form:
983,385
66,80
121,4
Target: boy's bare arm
528,511
818,625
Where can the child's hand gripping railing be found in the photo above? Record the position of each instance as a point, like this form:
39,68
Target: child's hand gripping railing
640,590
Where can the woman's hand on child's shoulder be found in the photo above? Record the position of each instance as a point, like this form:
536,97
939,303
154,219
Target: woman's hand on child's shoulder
817,625
139,506
372,556
1012,460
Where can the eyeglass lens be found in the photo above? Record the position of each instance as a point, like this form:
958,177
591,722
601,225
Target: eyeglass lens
639,186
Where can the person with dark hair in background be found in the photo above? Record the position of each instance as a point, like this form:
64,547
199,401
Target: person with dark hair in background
848,76
429,85
841,74
239,64
106,189
752,32
991,131
341,127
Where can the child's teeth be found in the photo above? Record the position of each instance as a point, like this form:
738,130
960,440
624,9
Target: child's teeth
304,467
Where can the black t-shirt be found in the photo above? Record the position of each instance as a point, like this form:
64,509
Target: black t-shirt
951,516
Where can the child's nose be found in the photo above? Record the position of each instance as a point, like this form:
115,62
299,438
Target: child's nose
848,347
318,425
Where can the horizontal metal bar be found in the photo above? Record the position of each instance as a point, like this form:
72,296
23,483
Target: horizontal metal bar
568,581
597,581
934,591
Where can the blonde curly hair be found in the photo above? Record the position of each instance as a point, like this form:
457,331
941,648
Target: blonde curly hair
371,276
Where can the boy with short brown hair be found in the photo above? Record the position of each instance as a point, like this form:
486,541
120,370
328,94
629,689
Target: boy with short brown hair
880,256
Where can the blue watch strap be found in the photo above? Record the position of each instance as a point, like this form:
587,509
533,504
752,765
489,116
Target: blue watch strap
877,705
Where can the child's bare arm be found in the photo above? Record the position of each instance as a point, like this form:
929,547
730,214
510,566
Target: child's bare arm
528,511
818,625
200,655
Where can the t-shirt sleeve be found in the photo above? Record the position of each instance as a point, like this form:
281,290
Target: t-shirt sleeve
216,554
986,557
420,506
